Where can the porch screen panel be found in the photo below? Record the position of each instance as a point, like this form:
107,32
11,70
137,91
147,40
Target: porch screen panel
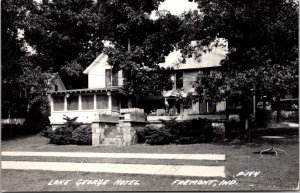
102,101
72,102
58,103
115,103
87,102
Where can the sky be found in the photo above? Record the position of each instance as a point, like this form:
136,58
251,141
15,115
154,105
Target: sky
176,7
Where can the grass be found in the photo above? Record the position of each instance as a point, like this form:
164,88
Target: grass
279,173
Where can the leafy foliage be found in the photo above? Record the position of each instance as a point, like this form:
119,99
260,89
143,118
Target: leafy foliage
177,132
22,78
262,39
65,33
140,44
70,133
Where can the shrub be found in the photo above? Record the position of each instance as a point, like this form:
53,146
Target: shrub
46,131
61,135
142,133
218,131
177,132
158,136
70,133
82,135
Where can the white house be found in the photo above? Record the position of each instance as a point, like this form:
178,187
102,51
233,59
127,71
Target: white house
183,76
100,74
101,97
104,94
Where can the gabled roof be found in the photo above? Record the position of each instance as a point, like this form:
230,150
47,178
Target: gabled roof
208,59
174,59
52,77
99,59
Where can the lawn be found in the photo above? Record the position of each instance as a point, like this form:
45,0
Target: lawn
279,173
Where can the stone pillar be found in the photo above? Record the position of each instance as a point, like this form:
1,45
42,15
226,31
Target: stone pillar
129,133
102,124
95,134
130,124
98,128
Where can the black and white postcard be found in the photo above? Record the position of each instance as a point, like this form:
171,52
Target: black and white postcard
149,95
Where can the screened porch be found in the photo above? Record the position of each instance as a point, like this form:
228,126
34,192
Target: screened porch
83,103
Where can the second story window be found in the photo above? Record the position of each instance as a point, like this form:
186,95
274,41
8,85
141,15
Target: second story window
108,77
179,79
111,79
114,78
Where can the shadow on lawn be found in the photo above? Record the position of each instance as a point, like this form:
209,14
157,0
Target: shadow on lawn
255,140
11,132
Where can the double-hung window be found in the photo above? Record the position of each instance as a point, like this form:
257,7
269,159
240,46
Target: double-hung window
111,78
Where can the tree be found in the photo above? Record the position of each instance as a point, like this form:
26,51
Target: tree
263,51
66,35
21,71
14,56
140,43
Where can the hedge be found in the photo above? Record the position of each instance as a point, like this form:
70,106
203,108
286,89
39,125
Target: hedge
71,132
177,132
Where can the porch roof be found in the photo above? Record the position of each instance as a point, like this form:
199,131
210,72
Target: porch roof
88,90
